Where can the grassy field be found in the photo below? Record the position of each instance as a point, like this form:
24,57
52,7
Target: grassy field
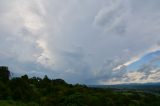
13,103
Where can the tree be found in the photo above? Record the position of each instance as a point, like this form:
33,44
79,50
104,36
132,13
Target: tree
4,73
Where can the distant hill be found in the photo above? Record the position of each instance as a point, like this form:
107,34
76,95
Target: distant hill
130,86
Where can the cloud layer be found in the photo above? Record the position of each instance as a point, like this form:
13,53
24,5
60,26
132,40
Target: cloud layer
86,41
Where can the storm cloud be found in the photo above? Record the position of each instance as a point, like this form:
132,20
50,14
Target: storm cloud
81,41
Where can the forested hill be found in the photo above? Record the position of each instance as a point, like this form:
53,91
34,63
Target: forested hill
24,91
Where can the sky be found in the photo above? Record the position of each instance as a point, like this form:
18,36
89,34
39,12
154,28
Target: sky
82,41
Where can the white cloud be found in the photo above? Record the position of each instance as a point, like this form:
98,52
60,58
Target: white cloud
81,41
138,57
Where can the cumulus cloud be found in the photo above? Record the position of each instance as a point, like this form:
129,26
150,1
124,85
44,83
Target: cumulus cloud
148,71
85,41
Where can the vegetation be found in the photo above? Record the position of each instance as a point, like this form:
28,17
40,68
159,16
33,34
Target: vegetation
24,91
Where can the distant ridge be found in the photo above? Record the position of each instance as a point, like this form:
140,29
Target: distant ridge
129,85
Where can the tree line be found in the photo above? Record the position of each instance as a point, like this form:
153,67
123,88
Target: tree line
37,91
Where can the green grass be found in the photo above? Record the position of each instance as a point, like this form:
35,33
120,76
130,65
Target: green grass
13,103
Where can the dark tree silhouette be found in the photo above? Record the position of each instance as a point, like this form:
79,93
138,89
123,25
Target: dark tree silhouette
4,73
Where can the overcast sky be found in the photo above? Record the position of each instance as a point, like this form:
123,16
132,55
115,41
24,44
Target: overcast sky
82,41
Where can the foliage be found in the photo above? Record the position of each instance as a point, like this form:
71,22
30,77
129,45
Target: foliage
24,91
